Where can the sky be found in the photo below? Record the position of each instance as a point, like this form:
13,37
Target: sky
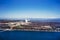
29,8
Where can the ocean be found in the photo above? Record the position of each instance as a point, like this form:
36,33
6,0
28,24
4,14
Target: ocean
29,35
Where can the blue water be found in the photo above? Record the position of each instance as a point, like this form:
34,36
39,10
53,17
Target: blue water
29,35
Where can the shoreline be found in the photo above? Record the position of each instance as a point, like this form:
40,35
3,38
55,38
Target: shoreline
28,30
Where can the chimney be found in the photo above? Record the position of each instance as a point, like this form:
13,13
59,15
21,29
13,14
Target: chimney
26,21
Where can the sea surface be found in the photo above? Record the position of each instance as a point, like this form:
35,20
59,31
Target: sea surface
29,35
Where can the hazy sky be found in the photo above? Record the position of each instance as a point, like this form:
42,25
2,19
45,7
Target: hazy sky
30,8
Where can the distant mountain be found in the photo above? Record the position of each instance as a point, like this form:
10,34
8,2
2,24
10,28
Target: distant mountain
35,19
45,20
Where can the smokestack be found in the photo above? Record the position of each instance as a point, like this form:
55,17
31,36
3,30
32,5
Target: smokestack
26,20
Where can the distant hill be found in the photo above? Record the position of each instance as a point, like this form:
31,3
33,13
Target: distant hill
45,20
34,19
